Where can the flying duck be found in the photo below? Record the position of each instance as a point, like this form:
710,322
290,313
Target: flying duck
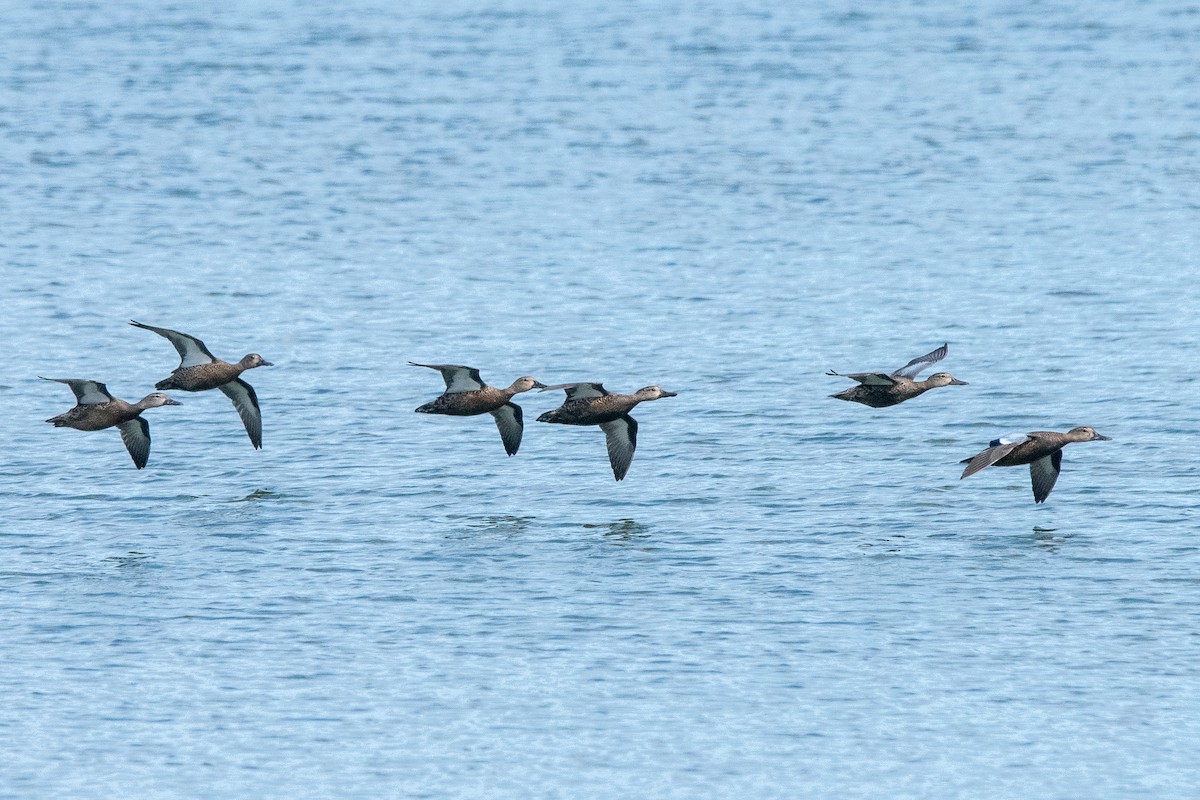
96,409
878,390
199,370
592,404
467,395
1041,450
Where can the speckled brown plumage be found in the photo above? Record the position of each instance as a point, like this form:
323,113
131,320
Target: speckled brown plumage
203,377
96,409
199,370
1041,450
880,390
592,404
467,395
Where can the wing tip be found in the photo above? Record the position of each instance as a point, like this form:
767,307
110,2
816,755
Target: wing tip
971,468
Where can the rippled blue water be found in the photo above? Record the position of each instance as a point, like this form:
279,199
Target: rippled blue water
788,596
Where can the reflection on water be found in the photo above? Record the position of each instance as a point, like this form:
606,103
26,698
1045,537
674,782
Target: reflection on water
1046,538
257,494
885,545
689,196
623,530
505,524
133,559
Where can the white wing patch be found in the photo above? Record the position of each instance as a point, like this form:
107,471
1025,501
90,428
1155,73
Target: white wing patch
457,377
462,379
91,392
192,351
1009,438
87,392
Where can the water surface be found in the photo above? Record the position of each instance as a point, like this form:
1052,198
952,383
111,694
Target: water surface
788,595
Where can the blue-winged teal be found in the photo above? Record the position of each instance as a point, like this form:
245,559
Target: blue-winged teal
199,370
96,409
880,390
592,404
467,395
1041,450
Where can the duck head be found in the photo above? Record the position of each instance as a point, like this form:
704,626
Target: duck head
254,360
156,399
1085,434
653,393
525,383
944,379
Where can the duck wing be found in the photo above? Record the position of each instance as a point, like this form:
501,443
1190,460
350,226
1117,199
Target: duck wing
136,435
914,367
866,378
578,391
246,402
192,351
87,393
621,437
457,377
998,450
1044,473
510,424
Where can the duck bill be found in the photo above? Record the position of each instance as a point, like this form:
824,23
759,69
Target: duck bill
266,364
957,382
665,393
540,385
1098,438
170,402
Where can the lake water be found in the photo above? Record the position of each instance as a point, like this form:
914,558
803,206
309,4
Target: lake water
788,596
